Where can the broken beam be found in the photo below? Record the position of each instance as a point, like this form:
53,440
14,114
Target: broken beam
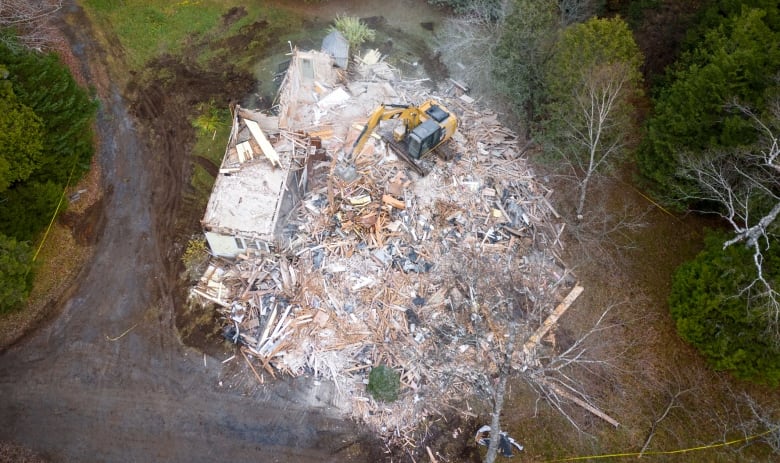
568,396
535,339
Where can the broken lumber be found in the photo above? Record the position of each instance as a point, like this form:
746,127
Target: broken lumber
396,203
533,341
568,396
265,145
210,298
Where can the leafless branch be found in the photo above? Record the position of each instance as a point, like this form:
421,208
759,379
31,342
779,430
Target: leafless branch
672,403
764,419
467,43
29,19
739,181
561,376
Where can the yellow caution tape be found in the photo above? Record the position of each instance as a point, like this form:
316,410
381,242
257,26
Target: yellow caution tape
666,452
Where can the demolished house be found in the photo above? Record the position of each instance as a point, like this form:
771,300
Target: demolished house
340,262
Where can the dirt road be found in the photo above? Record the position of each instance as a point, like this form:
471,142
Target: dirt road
73,392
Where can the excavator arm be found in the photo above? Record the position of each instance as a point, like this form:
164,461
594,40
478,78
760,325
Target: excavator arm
425,127
410,115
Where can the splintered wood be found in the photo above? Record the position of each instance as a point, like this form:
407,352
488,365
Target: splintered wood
373,272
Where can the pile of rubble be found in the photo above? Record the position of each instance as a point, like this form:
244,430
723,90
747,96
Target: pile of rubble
378,264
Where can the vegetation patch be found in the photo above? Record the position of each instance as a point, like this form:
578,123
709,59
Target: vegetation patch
725,323
148,28
384,383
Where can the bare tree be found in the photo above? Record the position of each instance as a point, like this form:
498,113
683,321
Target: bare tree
597,129
765,422
561,375
744,184
467,44
29,20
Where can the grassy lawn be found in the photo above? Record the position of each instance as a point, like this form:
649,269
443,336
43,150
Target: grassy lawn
146,28
209,144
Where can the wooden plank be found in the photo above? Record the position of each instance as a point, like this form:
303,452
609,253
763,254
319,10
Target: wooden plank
265,145
568,396
259,378
210,298
533,341
396,203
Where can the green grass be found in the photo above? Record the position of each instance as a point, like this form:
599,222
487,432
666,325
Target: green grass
147,28
209,144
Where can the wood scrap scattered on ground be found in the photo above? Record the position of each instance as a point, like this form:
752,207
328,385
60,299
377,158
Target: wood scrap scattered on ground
369,271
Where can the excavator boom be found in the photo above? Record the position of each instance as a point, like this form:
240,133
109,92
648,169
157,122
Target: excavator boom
425,127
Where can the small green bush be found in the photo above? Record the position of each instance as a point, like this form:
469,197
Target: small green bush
384,383
353,30
195,257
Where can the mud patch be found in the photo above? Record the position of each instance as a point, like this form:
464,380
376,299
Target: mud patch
234,14
86,226
208,165
199,327
249,38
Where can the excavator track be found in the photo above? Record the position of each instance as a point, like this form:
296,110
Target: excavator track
400,151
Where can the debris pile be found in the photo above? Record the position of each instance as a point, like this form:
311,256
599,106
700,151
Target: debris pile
378,264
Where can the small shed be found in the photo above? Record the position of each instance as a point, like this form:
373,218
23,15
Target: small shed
337,47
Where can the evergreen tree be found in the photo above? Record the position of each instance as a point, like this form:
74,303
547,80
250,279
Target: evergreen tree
715,313
527,39
20,136
44,84
738,60
15,272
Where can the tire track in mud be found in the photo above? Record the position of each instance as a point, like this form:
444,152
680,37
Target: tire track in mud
72,394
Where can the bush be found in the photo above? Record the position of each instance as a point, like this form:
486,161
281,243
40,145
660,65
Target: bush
725,323
195,257
384,383
353,30
15,273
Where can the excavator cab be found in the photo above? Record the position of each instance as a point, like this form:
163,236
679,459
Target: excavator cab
427,135
423,138
423,128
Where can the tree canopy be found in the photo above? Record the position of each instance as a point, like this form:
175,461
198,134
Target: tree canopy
46,140
593,79
44,84
714,313
526,43
51,141
738,60
20,136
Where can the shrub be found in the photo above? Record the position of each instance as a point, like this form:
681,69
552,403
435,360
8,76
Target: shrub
353,30
195,257
726,323
15,273
384,383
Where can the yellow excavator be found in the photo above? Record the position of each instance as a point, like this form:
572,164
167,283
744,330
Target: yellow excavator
424,128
